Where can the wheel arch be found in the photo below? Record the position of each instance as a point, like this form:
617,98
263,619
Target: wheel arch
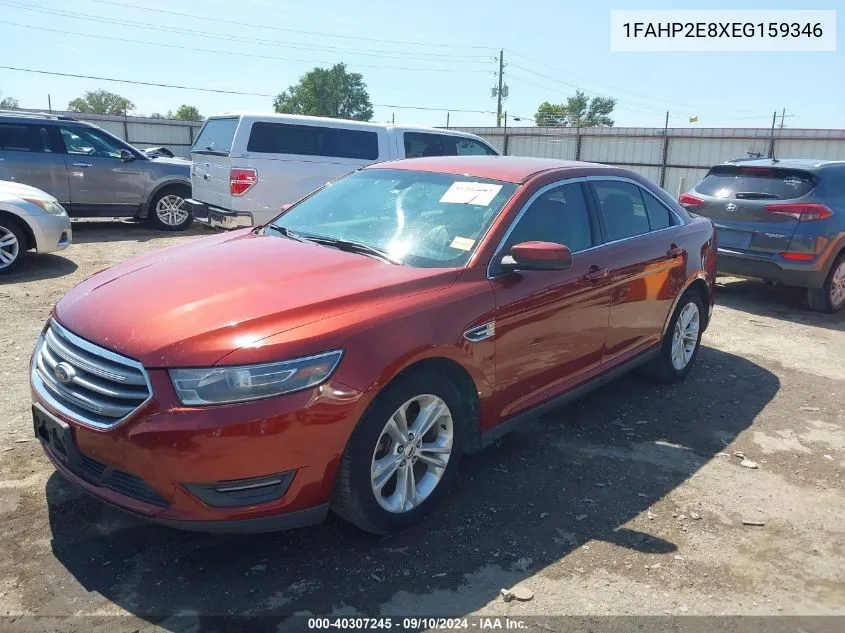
697,283
173,182
23,226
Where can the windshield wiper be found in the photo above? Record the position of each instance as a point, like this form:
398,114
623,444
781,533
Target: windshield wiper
285,232
355,247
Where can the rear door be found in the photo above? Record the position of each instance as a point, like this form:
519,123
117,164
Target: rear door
735,198
31,154
211,162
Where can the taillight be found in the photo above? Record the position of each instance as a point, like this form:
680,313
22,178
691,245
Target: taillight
799,257
801,211
687,200
241,180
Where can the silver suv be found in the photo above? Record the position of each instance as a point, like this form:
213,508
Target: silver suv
92,173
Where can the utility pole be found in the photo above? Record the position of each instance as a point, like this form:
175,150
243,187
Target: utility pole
499,91
505,140
49,104
665,153
393,118
782,117
772,138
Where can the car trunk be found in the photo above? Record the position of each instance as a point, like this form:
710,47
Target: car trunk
736,198
211,163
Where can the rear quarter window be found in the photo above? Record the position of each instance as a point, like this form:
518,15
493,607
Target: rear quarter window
216,136
312,140
762,183
24,138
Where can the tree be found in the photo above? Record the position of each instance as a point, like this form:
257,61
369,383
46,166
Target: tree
578,111
9,103
331,92
188,113
157,115
101,102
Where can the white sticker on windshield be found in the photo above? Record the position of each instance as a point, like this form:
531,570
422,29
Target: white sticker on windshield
462,243
480,193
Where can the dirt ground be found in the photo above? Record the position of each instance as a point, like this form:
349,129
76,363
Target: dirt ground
629,501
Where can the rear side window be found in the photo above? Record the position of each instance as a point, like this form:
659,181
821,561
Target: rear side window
756,183
24,138
623,208
216,136
659,217
312,140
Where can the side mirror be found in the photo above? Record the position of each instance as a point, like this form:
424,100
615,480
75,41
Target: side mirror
126,156
538,256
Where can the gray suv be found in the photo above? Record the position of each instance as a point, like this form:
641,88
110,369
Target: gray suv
780,220
92,173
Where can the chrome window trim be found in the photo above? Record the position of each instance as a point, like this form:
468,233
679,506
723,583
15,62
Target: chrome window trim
96,350
528,203
679,219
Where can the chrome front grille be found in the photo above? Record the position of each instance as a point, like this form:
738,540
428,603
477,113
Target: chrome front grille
85,381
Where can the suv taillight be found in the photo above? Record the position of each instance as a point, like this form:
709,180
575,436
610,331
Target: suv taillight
801,211
688,201
241,180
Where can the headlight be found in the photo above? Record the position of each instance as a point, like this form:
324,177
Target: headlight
220,385
48,205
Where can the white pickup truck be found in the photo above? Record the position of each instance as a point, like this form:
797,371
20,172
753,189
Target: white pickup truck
246,166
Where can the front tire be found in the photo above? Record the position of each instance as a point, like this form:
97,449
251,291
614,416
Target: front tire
13,245
168,210
403,454
681,341
831,296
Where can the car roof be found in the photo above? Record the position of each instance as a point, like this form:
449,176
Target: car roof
515,169
807,164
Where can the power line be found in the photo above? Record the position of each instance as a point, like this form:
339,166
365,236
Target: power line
476,59
221,91
236,53
206,18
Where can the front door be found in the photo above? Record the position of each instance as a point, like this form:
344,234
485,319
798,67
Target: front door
550,326
101,183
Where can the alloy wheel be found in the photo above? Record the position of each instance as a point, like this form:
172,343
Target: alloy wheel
412,453
9,247
685,336
837,286
171,210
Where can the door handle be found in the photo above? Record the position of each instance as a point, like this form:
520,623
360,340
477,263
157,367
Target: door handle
595,273
83,165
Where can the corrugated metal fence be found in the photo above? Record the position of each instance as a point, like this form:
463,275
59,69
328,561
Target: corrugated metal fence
670,158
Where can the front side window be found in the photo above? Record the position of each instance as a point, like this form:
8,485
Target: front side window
313,140
422,144
88,142
469,147
24,138
559,215
424,219
623,209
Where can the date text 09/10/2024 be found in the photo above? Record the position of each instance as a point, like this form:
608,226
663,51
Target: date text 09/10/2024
417,624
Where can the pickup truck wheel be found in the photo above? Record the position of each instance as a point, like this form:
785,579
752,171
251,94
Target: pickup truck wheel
679,348
12,245
831,296
168,210
402,455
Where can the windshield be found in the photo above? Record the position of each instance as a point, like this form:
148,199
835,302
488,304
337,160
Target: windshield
426,220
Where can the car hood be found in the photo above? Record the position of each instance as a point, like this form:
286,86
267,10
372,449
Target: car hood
9,189
193,304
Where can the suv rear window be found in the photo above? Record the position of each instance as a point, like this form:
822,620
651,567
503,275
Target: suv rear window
756,183
312,140
216,136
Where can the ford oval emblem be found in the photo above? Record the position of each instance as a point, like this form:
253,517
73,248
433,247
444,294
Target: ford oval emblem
730,206
64,373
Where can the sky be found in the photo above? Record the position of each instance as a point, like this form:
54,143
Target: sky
438,56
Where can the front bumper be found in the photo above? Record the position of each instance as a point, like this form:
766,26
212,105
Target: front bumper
52,232
154,463
771,267
214,217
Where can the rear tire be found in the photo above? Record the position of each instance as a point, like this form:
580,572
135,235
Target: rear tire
831,296
168,211
13,245
681,341
369,491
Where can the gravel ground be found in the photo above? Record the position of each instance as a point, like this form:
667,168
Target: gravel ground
629,501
